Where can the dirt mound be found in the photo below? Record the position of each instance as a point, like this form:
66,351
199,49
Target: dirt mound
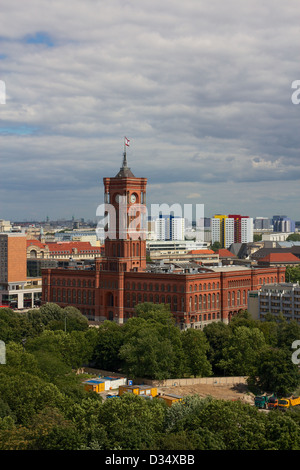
221,392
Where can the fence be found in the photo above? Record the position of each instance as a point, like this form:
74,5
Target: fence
217,381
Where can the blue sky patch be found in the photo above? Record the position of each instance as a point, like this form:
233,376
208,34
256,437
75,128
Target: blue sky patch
39,38
19,130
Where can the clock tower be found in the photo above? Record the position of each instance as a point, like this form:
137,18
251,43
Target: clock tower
125,233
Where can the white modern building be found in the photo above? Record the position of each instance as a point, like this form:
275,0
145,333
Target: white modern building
282,298
169,228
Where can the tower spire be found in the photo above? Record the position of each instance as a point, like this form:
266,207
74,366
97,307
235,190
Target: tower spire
126,144
125,172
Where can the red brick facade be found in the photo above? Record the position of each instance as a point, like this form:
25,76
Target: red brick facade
121,279
195,299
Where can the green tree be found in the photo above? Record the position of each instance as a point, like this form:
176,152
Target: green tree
157,312
218,424
243,318
217,334
147,354
131,422
19,360
288,332
282,432
240,354
216,246
275,372
195,347
152,344
27,394
109,340
292,274
293,237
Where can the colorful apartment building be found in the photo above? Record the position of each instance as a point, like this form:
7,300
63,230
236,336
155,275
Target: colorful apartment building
232,228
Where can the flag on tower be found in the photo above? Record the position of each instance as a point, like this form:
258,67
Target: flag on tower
127,141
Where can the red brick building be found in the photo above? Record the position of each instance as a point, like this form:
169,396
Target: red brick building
121,279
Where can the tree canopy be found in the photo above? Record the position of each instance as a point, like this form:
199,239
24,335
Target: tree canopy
43,404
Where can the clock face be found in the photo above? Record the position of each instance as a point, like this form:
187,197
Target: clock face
132,198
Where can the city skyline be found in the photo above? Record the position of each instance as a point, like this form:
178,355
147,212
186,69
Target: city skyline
201,89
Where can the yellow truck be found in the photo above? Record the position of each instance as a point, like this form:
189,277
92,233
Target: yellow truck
284,403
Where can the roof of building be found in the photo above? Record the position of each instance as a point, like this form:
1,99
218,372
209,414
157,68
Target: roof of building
201,252
280,258
224,253
35,242
65,246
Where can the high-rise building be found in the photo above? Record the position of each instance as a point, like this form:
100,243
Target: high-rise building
228,229
262,223
282,223
15,291
169,227
13,258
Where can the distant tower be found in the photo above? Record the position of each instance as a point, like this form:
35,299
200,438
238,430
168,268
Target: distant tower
42,235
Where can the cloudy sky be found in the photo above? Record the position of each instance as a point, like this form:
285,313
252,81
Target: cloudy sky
202,88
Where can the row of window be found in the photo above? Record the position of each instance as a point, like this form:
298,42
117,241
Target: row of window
239,283
269,280
168,288
85,297
201,302
69,282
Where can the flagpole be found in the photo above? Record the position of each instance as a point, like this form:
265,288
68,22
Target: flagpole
124,154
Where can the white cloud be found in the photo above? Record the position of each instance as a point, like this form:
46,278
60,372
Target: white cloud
202,88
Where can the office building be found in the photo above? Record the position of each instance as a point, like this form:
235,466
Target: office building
282,223
277,299
16,290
